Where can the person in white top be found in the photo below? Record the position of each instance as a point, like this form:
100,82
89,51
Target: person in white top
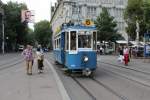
126,55
40,59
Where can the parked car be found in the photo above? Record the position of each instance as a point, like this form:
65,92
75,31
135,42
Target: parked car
21,47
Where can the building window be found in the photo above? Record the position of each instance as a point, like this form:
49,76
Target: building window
76,9
91,11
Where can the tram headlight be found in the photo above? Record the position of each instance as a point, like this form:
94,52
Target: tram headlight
85,59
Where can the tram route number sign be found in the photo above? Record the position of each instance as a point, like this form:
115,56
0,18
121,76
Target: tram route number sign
88,22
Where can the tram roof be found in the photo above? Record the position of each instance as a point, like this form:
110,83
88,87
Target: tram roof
79,27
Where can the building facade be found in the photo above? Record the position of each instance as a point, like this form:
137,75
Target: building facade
80,10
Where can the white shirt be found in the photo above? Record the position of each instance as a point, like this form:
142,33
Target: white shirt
126,51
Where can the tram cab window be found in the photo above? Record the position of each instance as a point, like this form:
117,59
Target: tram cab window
94,40
67,41
73,40
84,41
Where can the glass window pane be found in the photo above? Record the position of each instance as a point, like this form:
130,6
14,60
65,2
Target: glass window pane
84,41
94,41
73,40
67,41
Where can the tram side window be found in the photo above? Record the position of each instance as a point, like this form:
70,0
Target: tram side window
94,40
67,41
84,41
55,44
73,40
59,43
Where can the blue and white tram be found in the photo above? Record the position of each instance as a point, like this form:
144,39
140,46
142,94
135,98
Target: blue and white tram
75,48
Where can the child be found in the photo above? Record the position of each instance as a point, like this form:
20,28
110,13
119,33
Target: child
40,59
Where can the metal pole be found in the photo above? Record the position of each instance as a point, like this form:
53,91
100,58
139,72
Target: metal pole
3,43
3,37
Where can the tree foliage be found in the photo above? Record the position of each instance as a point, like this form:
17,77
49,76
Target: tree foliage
146,8
42,33
14,29
137,10
106,27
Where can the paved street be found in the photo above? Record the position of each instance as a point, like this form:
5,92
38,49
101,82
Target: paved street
16,85
110,81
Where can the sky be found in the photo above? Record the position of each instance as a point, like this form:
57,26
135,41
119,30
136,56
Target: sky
41,7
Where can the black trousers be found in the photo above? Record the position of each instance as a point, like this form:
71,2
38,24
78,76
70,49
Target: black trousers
40,64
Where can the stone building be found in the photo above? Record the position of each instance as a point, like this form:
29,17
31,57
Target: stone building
79,10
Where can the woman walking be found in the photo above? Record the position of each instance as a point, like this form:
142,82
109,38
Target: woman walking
29,59
126,55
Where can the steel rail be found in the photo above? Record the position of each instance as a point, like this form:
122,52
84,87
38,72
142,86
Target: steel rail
10,65
126,77
84,88
136,70
110,90
9,61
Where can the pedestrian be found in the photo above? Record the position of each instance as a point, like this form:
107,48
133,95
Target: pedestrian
101,50
121,57
27,53
40,59
121,51
126,55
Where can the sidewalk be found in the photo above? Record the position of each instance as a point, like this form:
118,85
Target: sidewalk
16,85
139,64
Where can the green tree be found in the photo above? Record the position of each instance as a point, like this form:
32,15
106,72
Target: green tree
30,37
43,33
106,26
146,8
134,12
14,29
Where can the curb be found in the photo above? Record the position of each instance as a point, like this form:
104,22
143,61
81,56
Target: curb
60,85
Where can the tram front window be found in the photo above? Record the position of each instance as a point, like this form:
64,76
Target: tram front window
84,41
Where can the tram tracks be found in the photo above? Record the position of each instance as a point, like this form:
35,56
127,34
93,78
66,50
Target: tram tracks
10,64
85,88
101,84
133,69
141,82
10,61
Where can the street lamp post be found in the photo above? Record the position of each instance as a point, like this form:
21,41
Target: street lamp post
3,35
3,42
